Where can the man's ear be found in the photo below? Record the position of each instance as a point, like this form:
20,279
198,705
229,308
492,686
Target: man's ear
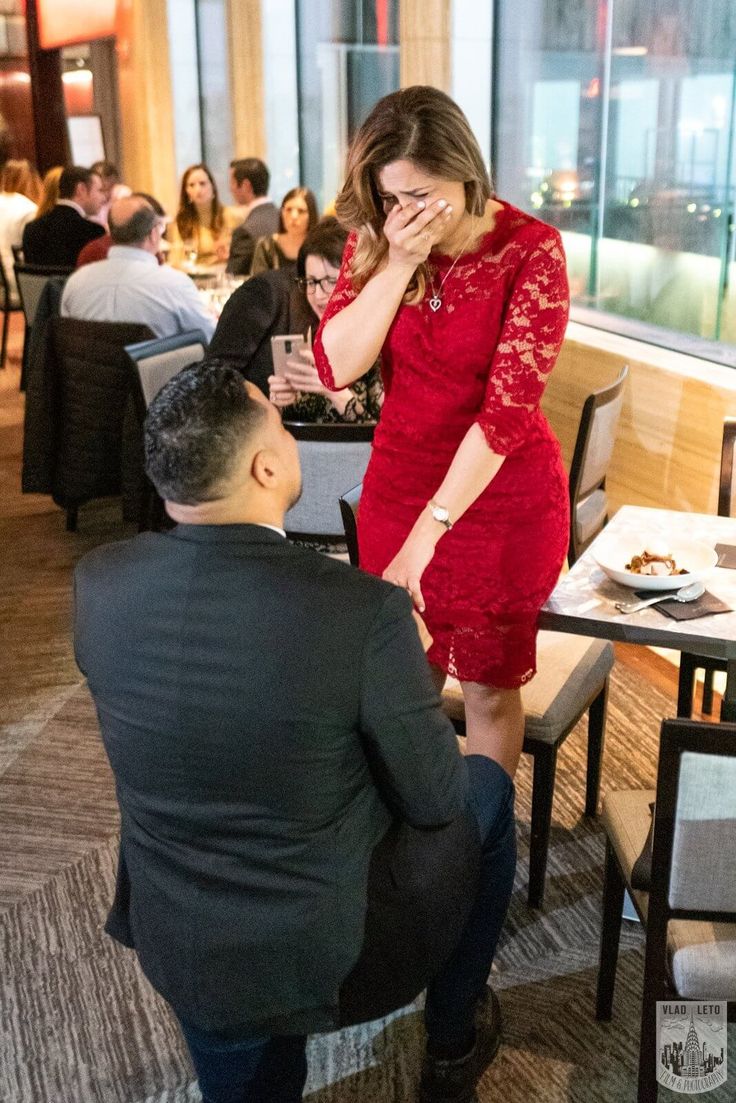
264,468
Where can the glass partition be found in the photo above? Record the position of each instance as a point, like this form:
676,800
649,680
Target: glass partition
615,122
348,57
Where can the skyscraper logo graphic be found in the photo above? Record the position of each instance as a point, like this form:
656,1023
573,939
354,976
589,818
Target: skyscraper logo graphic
691,1045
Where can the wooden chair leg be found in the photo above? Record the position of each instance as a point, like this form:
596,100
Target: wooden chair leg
71,517
543,789
24,359
708,691
686,684
6,324
613,901
596,740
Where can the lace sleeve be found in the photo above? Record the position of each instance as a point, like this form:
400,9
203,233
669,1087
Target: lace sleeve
365,405
528,346
341,297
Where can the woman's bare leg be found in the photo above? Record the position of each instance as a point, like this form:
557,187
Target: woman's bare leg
494,721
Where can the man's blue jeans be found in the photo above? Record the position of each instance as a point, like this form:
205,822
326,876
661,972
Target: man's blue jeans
260,1069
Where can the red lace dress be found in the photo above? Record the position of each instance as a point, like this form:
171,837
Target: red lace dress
483,357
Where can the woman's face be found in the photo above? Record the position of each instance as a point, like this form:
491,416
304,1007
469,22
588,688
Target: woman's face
403,183
199,188
318,293
295,214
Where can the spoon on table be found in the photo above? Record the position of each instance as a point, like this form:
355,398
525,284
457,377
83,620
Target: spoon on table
687,593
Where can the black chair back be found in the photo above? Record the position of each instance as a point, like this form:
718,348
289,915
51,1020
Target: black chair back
725,482
349,503
591,457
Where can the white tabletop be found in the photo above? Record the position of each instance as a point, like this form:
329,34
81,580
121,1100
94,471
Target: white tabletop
583,601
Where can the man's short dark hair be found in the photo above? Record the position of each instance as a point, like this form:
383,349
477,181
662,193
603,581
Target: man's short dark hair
250,168
134,230
71,178
194,431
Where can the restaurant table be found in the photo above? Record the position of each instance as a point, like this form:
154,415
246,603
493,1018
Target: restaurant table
583,602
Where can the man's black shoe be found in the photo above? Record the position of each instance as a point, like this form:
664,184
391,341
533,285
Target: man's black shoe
454,1081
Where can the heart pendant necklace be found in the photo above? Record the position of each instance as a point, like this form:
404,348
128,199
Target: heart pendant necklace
436,301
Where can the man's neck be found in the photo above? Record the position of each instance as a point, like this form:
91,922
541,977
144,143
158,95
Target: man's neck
222,512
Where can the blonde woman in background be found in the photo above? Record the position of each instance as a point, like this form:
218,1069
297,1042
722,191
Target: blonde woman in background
297,217
20,190
201,231
49,190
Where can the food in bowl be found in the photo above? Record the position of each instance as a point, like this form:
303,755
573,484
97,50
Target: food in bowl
654,561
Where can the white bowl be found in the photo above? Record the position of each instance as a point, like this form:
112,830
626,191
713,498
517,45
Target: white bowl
694,556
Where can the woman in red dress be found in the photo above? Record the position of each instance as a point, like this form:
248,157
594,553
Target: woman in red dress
464,501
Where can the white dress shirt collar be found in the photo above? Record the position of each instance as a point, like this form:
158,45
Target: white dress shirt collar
72,204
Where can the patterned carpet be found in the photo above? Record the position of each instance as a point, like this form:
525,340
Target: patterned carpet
79,1024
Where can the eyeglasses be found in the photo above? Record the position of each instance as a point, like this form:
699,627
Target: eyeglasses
326,285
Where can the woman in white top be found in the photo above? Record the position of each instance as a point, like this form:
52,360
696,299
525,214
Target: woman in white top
20,190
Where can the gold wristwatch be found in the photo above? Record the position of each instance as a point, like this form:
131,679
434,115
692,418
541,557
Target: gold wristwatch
440,514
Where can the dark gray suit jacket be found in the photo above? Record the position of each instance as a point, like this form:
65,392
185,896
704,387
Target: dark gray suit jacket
270,719
57,238
261,222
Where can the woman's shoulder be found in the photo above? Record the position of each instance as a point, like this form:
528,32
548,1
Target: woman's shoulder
514,226
232,217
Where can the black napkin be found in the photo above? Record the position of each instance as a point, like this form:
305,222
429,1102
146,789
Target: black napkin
702,606
726,555
641,871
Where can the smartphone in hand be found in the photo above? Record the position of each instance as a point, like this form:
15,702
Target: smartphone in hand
284,348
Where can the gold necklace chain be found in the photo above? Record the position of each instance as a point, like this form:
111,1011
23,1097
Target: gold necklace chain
436,301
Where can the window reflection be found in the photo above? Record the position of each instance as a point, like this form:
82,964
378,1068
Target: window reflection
616,124
348,59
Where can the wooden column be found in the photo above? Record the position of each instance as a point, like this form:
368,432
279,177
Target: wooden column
146,106
424,43
246,78
47,96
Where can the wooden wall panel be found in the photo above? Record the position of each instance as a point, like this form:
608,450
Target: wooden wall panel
668,446
146,108
424,43
246,78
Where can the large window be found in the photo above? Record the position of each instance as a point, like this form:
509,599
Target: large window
615,122
348,58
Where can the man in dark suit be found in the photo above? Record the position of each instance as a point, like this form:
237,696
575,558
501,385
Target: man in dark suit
57,238
302,844
249,179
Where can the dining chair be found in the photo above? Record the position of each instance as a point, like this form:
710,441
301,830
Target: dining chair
689,908
689,662
572,680
594,444
31,280
153,364
333,455
11,305
92,376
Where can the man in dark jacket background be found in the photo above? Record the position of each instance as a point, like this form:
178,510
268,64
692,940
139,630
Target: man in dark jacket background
302,844
57,238
249,179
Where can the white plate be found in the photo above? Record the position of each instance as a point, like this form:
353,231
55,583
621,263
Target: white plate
612,555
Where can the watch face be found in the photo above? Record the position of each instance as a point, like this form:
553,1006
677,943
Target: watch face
440,513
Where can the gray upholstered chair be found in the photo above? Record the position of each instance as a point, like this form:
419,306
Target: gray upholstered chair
594,443
572,679
690,908
690,663
333,457
153,364
156,361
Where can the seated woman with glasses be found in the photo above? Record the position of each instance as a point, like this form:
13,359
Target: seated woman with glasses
274,304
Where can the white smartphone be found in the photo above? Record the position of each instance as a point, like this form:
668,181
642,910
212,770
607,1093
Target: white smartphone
286,348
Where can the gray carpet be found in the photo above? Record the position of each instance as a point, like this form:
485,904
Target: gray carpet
79,1023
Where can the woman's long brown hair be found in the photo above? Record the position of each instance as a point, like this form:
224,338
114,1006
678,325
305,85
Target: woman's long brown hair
187,219
418,124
